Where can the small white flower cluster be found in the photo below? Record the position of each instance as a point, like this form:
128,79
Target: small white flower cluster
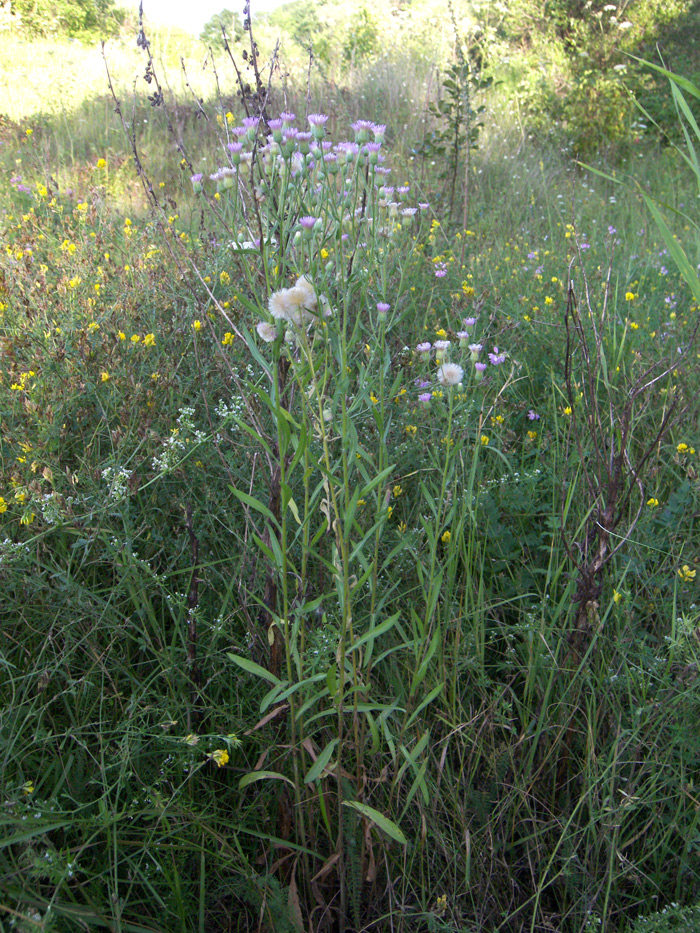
231,409
50,511
11,551
178,441
118,479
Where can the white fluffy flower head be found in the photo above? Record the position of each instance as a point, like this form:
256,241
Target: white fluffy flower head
450,374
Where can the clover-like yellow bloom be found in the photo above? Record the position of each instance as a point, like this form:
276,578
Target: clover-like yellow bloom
686,574
219,756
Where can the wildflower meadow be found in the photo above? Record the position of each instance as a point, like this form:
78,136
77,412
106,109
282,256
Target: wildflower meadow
348,510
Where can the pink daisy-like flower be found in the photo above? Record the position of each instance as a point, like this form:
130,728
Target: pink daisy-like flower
441,347
361,129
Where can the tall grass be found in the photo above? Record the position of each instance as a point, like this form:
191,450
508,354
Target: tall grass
288,646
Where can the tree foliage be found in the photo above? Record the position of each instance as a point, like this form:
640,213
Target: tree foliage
212,34
76,19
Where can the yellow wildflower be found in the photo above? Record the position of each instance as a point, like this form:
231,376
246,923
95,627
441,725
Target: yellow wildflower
446,537
197,325
149,340
686,574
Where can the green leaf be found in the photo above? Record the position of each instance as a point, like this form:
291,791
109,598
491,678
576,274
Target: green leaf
375,632
254,668
254,776
675,249
319,765
294,510
264,548
374,816
332,680
674,78
380,477
37,830
253,504
429,699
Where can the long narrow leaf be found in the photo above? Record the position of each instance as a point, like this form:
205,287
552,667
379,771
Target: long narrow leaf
374,816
